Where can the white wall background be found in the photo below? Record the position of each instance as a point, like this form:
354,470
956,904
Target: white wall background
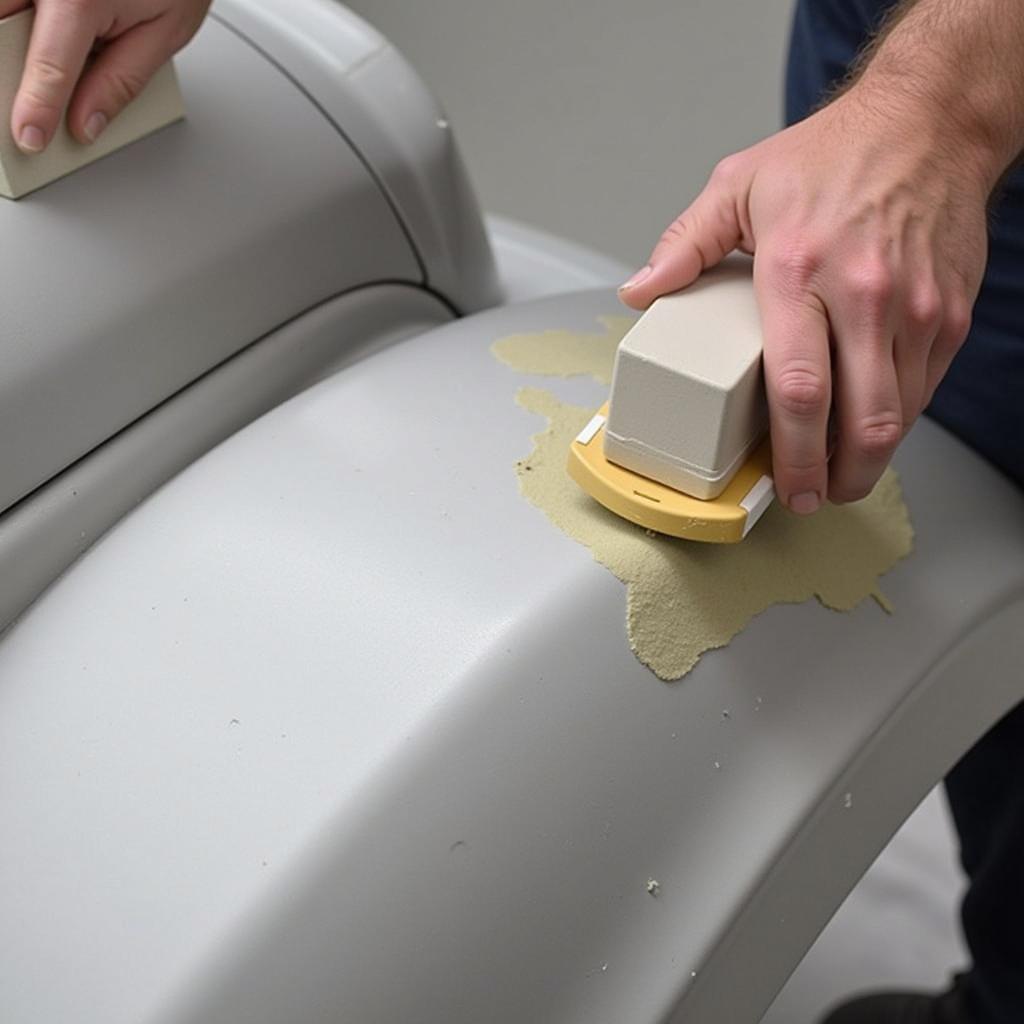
595,119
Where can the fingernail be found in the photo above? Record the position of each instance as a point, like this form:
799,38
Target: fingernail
32,139
640,276
95,125
806,503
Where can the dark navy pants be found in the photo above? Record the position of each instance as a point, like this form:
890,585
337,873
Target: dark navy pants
982,401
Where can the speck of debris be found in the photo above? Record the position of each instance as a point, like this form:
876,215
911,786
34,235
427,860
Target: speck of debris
718,764
604,967
456,845
653,886
235,721
848,801
726,713
651,533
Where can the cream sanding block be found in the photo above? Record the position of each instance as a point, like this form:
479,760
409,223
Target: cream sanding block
158,105
681,447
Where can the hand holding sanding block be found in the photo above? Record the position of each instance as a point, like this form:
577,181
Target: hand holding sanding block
158,105
681,448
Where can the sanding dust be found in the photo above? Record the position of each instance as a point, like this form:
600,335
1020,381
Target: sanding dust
685,598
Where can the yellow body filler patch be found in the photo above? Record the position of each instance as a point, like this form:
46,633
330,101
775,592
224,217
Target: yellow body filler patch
685,598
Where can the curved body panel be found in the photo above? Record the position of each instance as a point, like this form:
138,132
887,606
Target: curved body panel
336,726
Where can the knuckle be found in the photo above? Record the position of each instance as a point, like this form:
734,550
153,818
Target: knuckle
878,437
801,391
676,231
796,263
871,285
47,79
958,321
727,170
124,85
924,310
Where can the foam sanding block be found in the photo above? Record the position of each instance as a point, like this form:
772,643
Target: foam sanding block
681,448
158,105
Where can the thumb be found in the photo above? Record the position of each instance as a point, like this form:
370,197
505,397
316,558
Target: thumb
701,236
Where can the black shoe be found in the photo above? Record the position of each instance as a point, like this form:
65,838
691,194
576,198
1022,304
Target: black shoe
949,1007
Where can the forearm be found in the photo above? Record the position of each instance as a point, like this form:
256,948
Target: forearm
960,63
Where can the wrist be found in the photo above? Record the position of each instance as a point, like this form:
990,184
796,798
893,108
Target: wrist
980,136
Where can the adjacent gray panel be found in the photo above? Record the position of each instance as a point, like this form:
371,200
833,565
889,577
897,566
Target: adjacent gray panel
129,279
376,100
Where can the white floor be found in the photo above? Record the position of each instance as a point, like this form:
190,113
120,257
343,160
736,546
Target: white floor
897,928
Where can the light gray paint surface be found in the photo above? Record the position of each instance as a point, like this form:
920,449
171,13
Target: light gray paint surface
339,727
597,119
172,255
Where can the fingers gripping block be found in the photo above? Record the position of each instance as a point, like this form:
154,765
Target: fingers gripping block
158,105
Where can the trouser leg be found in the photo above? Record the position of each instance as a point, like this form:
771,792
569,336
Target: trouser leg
986,794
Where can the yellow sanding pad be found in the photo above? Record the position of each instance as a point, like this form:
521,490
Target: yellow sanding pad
722,520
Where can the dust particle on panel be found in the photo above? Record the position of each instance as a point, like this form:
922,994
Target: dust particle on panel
653,886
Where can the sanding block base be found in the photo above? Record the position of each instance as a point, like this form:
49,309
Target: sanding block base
722,520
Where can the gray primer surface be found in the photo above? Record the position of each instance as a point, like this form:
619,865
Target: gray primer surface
132,277
338,727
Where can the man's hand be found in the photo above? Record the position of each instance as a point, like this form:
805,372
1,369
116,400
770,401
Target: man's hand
867,222
133,38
